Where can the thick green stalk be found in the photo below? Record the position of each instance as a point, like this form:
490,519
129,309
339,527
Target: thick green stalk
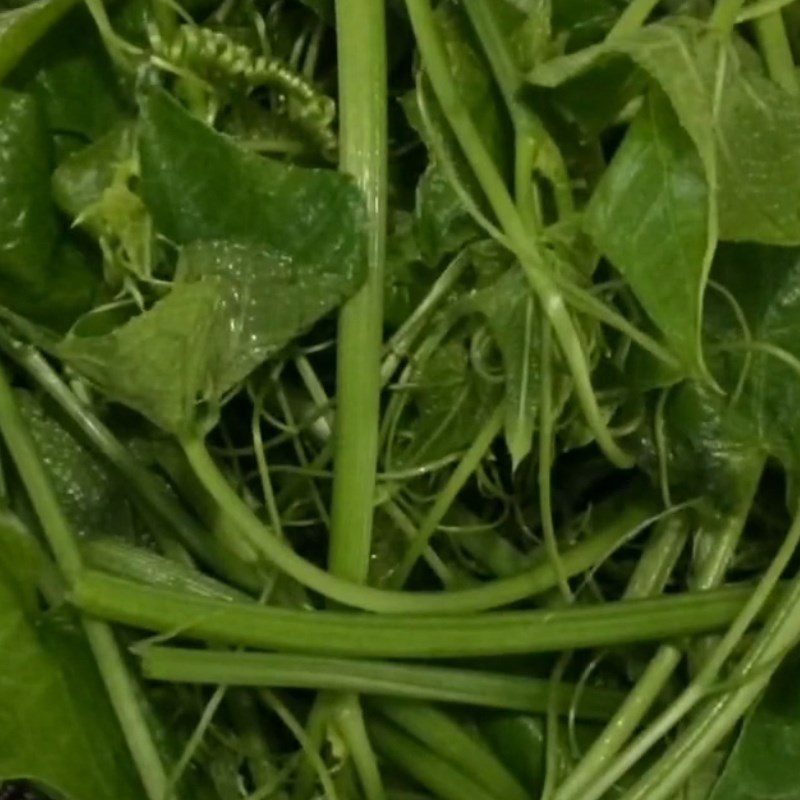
348,717
342,633
445,737
116,557
761,8
119,685
380,678
361,37
724,15
545,465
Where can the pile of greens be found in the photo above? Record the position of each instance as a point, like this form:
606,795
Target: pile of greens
399,401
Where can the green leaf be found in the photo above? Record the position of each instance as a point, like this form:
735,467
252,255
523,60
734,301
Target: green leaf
42,275
81,178
515,323
449,193
92,497
650,217
762,765
273,298
452,403
745,127
765,283
56,723
20,561
442,224
20,28
201,185
758,138
161,362
72,76
745,130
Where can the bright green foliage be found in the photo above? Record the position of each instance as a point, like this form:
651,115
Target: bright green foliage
515,386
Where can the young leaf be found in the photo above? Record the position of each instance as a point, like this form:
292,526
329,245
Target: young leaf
650,217
199,184
56,724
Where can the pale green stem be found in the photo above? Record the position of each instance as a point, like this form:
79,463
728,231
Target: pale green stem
649,578
545,465
434,772
701,684
445,737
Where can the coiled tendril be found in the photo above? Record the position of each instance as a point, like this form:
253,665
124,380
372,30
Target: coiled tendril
216,56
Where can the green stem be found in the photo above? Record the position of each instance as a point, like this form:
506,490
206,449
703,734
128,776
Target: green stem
446,738
497,593
249,728
316,730
361,36
119,685
275,704
723,17
648,579
446,497
349,719
774,45
381,678
361,46
698,689
759,8
398,346
632,18
116,557
433,772
341,633
717,540
545,465
780,633
531,257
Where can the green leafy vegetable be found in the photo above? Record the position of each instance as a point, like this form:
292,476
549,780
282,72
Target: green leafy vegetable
342,341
